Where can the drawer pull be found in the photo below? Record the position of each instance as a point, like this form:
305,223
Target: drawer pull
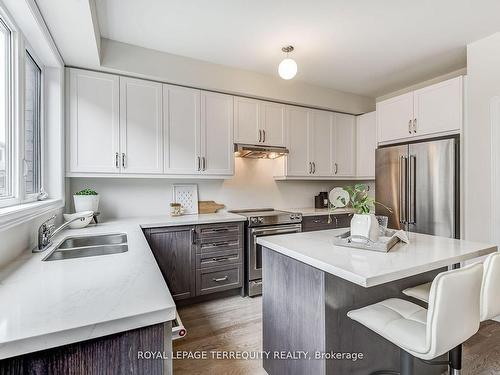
220,259
220,230
316,221
218,244
221,279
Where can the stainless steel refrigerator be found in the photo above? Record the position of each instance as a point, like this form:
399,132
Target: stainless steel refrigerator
420,183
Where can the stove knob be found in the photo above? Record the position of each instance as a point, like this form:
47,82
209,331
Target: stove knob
254,220
261,220
292,216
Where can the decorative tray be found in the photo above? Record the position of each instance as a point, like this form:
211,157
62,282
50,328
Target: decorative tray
384,243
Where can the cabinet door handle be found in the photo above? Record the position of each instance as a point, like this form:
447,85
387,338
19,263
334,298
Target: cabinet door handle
314,167
310,167
409,127
193,236
199,163
204,162
415,125
260,135
123,160
221,279
336,168
117,162
263,135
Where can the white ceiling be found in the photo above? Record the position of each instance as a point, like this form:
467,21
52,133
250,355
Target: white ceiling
366,47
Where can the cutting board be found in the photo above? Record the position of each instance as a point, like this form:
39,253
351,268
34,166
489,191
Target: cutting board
208,207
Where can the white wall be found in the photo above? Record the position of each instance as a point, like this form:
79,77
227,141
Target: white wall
23,237
252,186
483,84
147,63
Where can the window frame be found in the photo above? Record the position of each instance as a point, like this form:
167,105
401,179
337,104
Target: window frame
19,47
33,196
11,134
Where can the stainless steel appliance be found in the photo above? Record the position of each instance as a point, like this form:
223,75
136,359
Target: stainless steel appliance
420,182
259,151
263,222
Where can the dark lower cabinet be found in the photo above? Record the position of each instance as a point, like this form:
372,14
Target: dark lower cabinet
117,354
173,249
199,259
321,222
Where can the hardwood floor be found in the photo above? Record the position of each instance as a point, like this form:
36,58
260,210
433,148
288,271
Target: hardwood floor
235,324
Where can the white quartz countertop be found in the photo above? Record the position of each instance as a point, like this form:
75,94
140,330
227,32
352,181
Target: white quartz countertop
46,304
369,268
310,211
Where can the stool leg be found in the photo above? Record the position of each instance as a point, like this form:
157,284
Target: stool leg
406,362
455,356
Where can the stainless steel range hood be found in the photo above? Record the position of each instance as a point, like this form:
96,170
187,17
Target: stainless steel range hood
259,151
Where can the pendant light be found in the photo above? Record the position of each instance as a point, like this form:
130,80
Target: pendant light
287,68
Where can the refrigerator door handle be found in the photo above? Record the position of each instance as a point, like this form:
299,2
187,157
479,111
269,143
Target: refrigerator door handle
402,190
412,191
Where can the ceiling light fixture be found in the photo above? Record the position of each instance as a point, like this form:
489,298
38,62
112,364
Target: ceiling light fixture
288,67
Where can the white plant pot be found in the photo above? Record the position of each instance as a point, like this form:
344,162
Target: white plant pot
86,203
364,225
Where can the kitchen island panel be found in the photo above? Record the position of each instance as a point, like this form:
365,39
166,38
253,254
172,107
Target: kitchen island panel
305,310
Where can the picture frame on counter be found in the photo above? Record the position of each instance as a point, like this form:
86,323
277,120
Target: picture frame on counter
187,196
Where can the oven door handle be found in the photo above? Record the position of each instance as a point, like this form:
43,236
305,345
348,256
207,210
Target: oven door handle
276,230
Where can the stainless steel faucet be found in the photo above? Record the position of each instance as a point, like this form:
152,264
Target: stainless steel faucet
46,232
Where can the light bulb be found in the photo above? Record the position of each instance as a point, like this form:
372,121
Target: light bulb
287,68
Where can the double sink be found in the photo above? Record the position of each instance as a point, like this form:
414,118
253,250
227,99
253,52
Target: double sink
89,246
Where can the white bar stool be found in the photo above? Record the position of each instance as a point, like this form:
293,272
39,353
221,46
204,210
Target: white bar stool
490,289
452,318
490,300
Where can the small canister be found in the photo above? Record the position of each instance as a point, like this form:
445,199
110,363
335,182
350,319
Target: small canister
175,209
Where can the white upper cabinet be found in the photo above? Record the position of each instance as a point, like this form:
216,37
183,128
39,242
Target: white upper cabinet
247,128
320,146
438,108
394,118
297,161
182,130
366,143
94,127
430,111
272,123
344,145
217,134
141,142
259,122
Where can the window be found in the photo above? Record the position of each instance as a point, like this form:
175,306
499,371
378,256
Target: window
6,178
32,130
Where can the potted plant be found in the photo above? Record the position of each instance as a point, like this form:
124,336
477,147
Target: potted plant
364,224
86,200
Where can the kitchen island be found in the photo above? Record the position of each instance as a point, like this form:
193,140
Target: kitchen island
309,285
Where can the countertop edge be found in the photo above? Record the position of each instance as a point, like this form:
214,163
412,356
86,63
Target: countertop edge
371,281
84,333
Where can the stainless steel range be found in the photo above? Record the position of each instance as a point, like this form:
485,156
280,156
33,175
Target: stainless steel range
263,222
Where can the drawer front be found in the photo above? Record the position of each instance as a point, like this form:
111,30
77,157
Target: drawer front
219,244
206,233
217,279
220,258
320,222
344,221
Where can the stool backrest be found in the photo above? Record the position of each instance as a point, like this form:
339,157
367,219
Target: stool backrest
454,308
490,292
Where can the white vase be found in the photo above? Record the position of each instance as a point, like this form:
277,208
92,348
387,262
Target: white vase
364,225
86,203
